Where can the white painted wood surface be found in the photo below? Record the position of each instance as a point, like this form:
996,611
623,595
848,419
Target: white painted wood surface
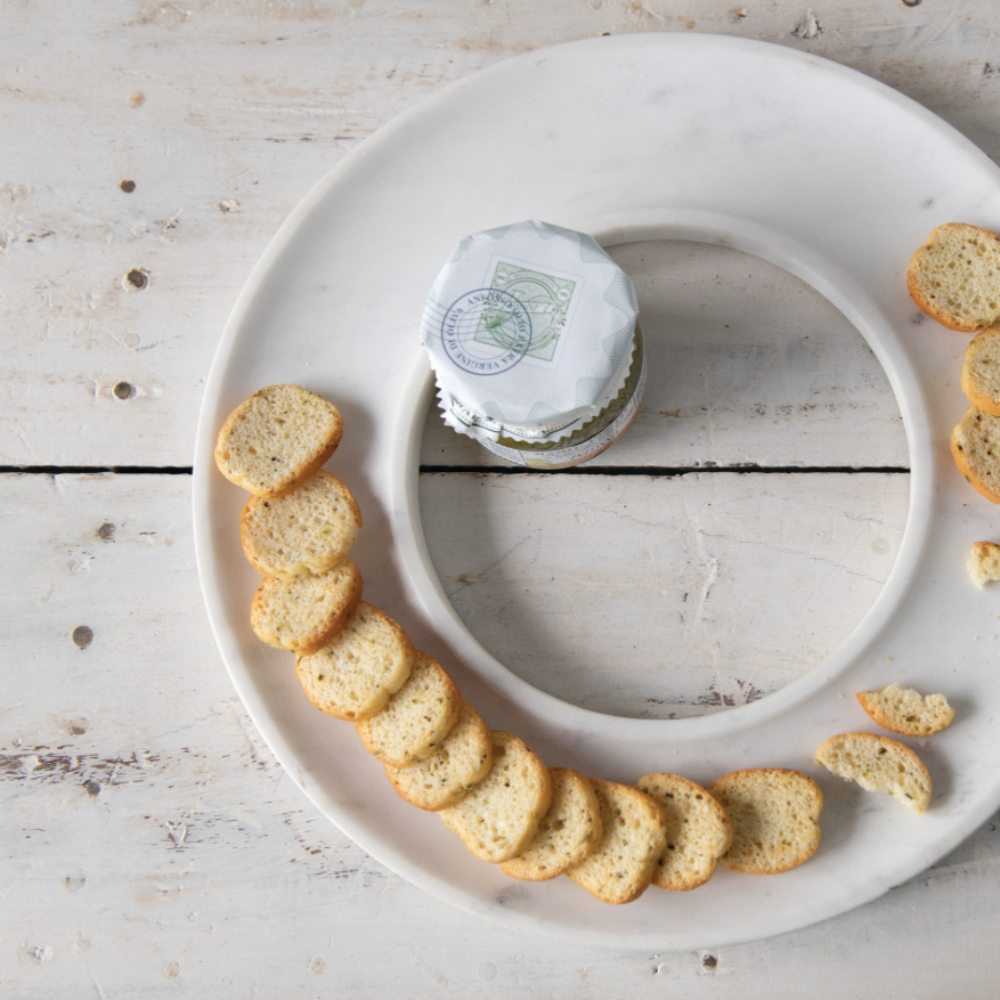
662,597
153,845
225,116
748,366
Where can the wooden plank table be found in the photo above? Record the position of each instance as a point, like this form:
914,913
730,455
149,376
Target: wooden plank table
729,542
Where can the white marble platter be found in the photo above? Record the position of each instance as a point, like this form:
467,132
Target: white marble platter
783,155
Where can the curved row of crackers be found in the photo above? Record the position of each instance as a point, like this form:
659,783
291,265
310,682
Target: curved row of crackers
955,278
357,664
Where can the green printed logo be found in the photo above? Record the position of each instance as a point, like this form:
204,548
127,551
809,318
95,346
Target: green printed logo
546,298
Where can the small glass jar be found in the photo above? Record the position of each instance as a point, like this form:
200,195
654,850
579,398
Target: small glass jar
532,331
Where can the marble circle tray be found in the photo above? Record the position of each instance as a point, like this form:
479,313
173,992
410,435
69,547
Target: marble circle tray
814,167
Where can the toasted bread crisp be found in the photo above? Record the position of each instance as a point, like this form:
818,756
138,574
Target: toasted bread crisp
975,446
903,710
569,832
276,439
305,614
698,831
984,563
498,817
308,531
981,370
354,676
460,761
418,717
633,836
878,764
775,817
955,277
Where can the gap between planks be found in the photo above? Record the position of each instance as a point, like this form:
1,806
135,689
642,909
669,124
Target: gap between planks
600,470
665,472
84,470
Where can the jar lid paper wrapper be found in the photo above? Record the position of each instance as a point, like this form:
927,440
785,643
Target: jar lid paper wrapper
530,331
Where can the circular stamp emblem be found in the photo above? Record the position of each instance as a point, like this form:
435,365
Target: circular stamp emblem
487,331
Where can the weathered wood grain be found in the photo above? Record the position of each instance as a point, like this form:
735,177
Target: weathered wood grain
153,845
155,848
748,365
662,597
224,116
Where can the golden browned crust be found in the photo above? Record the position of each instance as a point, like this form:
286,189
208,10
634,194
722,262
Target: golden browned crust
498,817
978,399
295,474
905,724
307,471
324,629
569,832
607,874
442,779
346,679
974,374
354,507
960,451
878,764
974,481
255,540
926,305
682,801
426,737
916,280
770,836
867,701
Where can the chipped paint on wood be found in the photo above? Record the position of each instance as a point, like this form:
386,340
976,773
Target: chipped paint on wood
662,597
300,86
154,846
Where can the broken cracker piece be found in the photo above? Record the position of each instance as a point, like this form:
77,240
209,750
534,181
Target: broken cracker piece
903,710
984,563
878,764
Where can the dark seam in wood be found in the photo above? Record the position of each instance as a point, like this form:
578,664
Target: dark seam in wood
662,472
121,470
493,470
